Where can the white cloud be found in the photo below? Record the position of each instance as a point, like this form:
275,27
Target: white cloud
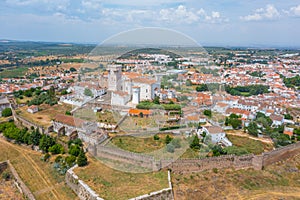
61,5
294,11
91,4
181,14
267,13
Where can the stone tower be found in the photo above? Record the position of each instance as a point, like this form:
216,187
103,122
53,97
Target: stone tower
114,77
135,95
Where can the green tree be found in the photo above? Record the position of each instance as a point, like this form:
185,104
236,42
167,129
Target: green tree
195,143
207,113
168,139
46,142
156,100
82,159
288,116
226,121
235,123
156,137
202,88
88,92
218,150
252,129
35,137
56,149
72,69
64,92
188,82
170,148
6,112
51,92
70,160
74,150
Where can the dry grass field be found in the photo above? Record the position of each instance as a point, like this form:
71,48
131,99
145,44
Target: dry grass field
138,144
278,181
39,176
7,188
45,114
111,184
252,146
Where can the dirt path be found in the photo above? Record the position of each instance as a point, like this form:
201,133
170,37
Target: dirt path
40,172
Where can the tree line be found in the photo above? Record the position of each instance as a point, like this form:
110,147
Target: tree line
46,143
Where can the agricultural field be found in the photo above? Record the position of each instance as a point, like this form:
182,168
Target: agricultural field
113,184
13,72
39,176
278,181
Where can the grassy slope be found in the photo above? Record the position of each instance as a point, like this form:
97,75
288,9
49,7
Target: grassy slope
113,184
253,146
139,145
279,181
39,176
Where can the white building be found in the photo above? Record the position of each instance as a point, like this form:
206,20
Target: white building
277,120
127,88
33,109
217,135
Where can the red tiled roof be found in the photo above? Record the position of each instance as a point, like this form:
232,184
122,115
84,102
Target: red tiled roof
69,120
138,111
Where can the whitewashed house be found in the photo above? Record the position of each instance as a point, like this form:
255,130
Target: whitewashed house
217,135
277,120
33,109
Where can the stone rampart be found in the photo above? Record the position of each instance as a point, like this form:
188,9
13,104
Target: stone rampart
257,162
280,154
123,156
166,194
83,191
18,181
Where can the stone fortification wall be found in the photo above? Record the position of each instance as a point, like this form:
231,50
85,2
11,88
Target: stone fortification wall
280,154
18,181
196,165
83,191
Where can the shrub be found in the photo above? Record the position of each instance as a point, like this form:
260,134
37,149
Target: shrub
56,149
207,113
6,175
70,160
74,150
156,137
46,157
6,112
82,159
58,159
195,143
170,148
168,139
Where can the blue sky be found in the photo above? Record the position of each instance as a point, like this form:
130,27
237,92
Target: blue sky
209,22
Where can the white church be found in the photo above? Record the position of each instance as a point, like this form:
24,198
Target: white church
130,88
